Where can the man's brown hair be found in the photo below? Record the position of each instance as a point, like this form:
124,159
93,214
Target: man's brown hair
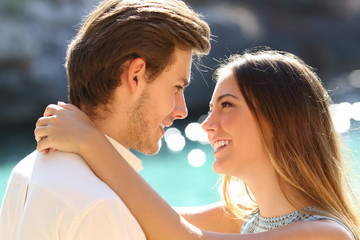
121,30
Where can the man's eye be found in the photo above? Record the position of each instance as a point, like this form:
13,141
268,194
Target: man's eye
179,88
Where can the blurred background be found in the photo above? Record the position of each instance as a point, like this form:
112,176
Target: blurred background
33,40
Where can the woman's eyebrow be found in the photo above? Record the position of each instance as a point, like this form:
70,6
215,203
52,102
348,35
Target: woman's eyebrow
225,95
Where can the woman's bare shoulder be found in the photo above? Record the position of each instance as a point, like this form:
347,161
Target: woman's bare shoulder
311,230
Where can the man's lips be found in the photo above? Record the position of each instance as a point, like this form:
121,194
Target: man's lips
165,125
162,127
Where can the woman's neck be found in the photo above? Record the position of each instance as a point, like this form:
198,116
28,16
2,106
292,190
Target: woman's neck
271,199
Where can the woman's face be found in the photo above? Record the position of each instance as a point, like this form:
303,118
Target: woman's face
233,132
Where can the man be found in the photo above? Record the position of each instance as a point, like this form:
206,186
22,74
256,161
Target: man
127,68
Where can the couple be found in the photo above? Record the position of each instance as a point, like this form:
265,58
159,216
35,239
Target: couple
269,124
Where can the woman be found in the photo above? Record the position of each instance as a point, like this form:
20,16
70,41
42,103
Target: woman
270,126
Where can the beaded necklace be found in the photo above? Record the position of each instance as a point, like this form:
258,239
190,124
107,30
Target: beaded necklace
255,223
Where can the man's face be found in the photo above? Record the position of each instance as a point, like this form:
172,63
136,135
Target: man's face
161,102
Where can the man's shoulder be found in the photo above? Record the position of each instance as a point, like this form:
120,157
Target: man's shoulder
59,190
63,175
37,164
25,166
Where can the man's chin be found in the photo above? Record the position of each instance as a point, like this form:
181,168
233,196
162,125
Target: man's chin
151,153
148,150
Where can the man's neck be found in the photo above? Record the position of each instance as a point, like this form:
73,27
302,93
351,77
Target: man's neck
115,132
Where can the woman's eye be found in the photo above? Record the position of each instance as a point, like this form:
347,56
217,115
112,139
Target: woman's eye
226,104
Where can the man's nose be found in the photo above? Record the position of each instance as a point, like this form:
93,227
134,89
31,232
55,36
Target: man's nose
180,110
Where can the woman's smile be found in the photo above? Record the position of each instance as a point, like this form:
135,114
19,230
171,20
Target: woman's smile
219,145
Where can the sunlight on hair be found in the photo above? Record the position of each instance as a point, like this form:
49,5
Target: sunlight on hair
196,158
194,132
236,189
341,115
355,111
354,78
174,140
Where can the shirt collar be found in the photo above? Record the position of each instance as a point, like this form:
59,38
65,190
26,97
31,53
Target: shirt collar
134,161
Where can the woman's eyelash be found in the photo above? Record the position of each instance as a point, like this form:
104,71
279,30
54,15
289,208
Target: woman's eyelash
226,104
223,104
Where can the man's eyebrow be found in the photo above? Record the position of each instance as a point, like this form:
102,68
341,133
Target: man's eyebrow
221,97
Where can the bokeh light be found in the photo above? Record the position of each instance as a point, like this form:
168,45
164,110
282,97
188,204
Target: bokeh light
354,78
341,115
196,158
160,143
194,132
174,140
355,111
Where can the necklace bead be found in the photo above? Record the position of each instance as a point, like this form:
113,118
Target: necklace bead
255,223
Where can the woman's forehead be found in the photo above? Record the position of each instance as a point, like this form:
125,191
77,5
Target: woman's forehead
226,82
226,85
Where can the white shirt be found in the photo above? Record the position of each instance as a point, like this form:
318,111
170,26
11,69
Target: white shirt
57,196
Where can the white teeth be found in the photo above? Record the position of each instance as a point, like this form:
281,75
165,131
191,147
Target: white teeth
221,143
162,125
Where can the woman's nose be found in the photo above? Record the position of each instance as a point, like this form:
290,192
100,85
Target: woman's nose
210,125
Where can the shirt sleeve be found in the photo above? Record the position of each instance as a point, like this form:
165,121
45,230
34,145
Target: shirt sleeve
106,220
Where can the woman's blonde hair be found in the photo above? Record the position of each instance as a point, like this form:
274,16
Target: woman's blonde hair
286,94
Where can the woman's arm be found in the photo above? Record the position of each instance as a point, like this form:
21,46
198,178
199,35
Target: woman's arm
158,220
213,217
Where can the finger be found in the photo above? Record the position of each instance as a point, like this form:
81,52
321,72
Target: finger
49,110
47,150
43,145
43,121
68,106
41,132
52,110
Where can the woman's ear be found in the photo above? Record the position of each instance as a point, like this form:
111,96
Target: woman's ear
136,74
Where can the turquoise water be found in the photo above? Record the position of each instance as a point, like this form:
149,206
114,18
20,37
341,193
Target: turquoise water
169,173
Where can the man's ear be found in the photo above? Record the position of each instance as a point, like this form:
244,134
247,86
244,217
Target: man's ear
136,74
